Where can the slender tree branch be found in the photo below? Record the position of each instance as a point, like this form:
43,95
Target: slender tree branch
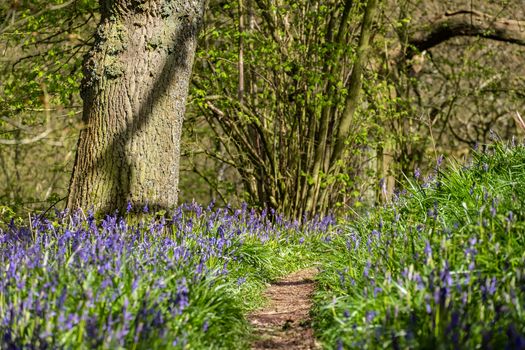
355,84
27,141
240,91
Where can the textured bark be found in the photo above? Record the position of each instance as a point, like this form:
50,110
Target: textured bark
134,92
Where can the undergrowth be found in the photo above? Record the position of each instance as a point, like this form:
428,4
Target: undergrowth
75,282
443,267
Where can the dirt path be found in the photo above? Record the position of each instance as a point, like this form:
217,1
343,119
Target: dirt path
285,322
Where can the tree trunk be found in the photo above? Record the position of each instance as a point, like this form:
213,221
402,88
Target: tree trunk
135,85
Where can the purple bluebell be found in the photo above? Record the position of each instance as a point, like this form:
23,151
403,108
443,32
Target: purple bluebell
370,316
417,173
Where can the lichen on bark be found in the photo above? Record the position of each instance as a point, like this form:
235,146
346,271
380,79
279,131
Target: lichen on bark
134,92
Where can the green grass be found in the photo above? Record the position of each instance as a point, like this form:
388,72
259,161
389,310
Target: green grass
75,282
441,268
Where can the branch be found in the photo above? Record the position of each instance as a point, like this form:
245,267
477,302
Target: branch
37,138
15,123
354,89
231,128
265,11
466,23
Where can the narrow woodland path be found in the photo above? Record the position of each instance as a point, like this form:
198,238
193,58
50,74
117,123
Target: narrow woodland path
285,322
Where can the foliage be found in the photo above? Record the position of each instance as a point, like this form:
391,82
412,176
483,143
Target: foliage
43,40
42,47
82,283
442,267
272,81
451,98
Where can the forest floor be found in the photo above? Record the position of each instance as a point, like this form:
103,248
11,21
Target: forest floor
284,323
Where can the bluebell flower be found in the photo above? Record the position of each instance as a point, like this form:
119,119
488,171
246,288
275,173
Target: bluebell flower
428,250
417,173
366,269
440,160
428,308
370,316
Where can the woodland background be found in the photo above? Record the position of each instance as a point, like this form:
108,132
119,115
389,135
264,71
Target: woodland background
263,69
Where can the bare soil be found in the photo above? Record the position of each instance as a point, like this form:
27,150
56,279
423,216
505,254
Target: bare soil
285,322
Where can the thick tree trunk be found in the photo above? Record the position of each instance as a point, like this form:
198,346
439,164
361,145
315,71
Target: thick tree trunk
134,91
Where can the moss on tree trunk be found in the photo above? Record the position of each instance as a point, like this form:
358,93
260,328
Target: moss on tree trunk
135,86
